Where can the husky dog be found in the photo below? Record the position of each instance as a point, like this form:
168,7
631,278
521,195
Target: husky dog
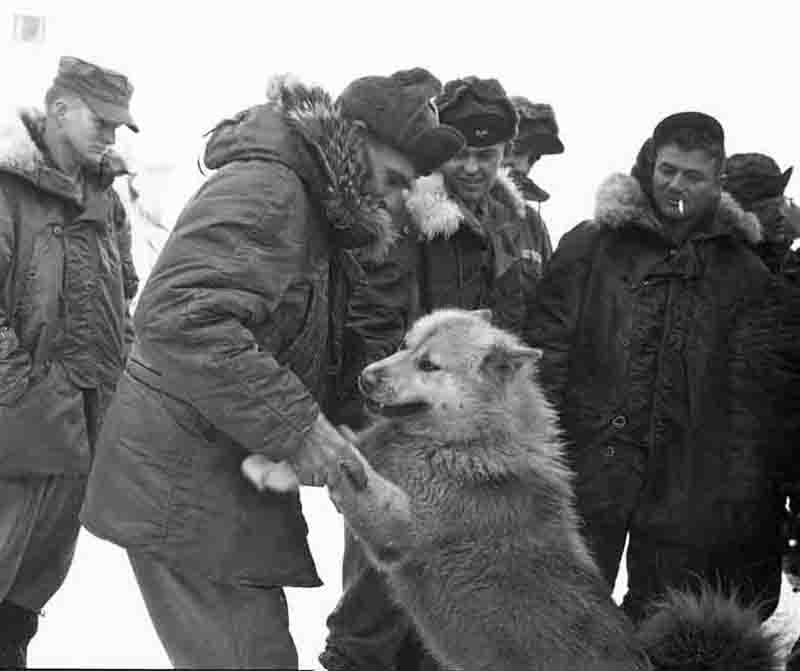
468,509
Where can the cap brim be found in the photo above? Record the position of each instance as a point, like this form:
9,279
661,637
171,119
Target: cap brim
544,143
112,113
435,146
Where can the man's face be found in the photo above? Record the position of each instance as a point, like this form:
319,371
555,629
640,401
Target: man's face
688,177
774,215
84,132
473,171
391,175
521,162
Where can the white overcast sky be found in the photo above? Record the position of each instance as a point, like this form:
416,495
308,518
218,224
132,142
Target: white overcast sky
611,69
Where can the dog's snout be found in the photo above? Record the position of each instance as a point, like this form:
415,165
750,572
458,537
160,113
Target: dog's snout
368,380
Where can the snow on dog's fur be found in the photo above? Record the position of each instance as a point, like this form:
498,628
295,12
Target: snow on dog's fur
468,510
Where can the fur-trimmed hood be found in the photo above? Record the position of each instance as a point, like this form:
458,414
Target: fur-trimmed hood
435,212
621,201
301,126
22,153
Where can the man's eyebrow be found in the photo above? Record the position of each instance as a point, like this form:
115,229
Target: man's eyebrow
399,177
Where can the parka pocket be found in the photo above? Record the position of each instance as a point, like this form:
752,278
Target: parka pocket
44,431
39,303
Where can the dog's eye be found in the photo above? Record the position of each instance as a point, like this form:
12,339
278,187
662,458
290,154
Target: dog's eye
426,365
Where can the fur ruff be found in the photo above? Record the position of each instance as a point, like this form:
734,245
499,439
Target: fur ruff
435,213
337,146
21,154
621,201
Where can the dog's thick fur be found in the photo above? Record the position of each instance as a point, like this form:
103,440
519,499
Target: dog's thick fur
468,509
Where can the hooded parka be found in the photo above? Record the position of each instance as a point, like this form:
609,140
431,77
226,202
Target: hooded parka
232,347
65,274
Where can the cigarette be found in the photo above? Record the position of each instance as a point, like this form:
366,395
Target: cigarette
681,207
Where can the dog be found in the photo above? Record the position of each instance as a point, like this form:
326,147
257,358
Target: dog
468,510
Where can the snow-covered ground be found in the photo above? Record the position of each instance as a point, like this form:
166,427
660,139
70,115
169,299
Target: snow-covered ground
98,619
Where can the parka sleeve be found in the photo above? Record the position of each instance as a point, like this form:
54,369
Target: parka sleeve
552,318
235,250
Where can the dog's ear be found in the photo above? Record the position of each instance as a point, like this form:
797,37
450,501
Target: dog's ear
502,362
483,313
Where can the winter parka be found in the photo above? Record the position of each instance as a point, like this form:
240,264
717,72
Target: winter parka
65,274
232,347
672,368
469,260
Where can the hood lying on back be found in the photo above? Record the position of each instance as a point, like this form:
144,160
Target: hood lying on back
435,213
621,201
302,127
22,153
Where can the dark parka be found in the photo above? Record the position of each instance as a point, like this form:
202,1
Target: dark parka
667,366
487,259
232,343
65,274
446,257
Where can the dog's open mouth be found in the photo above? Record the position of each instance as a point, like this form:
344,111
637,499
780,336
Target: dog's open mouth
396,410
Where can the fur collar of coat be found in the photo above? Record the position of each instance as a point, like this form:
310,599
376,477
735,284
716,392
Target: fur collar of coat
621,201
435,212
23,153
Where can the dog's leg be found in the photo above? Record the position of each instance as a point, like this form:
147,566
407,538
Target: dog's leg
379,514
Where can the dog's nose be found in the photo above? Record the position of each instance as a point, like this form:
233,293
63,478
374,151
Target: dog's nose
368,381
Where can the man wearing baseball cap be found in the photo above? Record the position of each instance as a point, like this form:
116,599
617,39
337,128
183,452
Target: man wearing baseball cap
65,274
237,333
668,351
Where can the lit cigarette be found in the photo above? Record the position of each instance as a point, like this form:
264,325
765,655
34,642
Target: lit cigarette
681,206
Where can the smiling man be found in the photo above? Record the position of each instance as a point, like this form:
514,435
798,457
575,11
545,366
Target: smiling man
667,349
468,246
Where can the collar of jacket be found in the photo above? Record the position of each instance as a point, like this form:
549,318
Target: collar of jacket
343,191
435,212
621,202
530,190
23,153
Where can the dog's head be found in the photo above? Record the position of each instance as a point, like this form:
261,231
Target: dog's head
453,364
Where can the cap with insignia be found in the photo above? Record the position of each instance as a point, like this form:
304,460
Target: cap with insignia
480,109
